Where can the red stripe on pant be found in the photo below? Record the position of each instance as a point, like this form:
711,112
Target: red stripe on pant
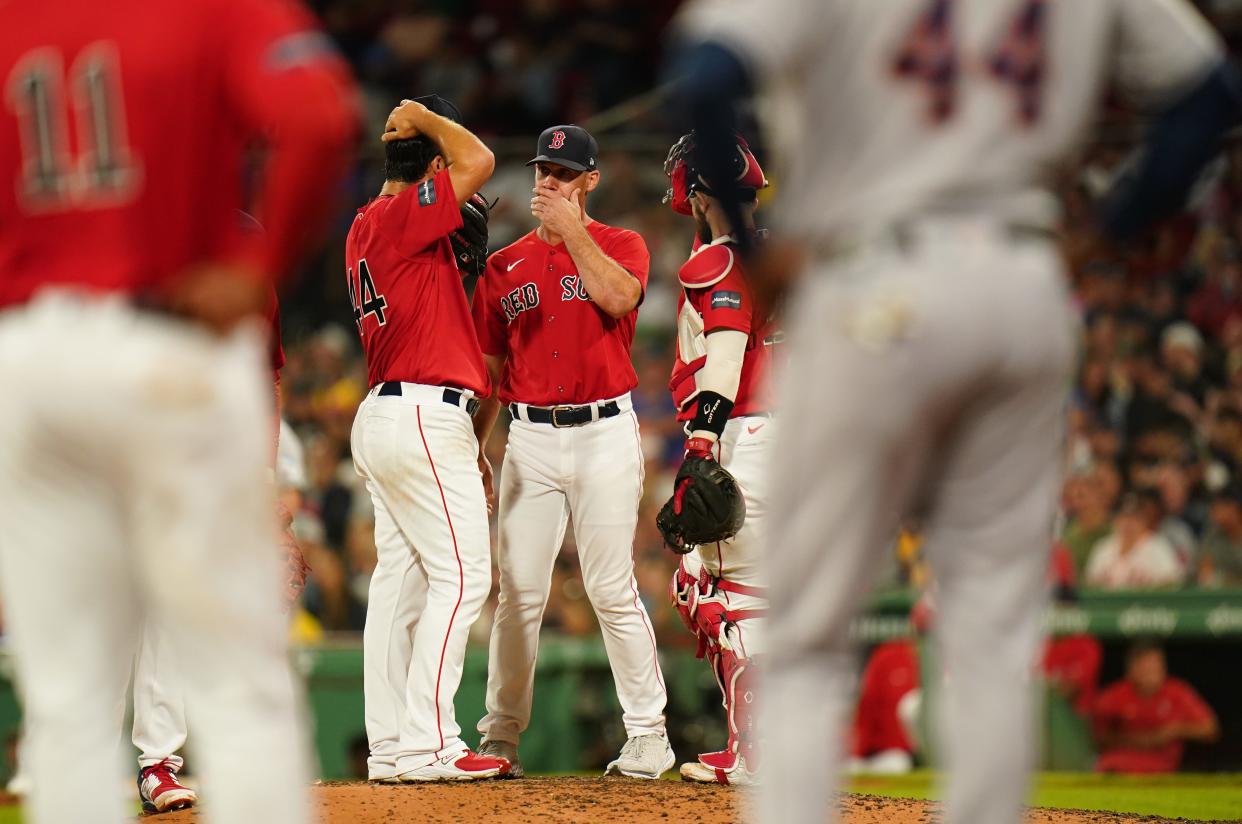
461,576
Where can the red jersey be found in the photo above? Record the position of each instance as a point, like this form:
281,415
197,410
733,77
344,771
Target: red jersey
531,307
125,128
1121,709
892,671
1074,660
715,295
406,291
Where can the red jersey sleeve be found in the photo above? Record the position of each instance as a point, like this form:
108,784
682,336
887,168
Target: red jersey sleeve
1190,707
422,214
489,323
286,84
726,304
629,250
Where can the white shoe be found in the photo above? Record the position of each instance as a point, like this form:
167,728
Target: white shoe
644,756
20,784
459,765
719,768
890,762
160,790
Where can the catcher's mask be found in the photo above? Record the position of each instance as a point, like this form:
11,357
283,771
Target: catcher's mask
681,166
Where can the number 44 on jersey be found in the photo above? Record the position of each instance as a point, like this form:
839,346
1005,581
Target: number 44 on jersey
365,299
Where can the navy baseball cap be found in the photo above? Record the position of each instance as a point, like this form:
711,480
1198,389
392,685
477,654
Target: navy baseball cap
568,146
438,105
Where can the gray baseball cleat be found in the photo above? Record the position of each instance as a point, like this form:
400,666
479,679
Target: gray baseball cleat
507,751
644,756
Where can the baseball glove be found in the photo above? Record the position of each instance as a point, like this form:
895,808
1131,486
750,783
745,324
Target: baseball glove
470,241
706,506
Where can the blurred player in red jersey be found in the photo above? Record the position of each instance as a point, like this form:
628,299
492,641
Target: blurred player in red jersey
133,479
1071,663
160,726
414,443
881,742
555,314
1142,722
718,380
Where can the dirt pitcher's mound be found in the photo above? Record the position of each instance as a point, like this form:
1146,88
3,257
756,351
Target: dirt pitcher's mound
593,800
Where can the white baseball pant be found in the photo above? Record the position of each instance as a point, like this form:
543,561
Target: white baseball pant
594,471
927,374
133,488
160,728
419,457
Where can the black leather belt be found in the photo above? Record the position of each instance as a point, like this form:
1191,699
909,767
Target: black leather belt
562,416
451,396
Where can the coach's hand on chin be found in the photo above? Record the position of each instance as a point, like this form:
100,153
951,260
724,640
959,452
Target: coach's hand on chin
560,215
220,296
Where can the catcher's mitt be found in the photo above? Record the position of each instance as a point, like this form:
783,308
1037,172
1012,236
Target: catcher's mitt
706,506
470,241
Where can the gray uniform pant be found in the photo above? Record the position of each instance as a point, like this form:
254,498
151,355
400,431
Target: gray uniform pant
924,377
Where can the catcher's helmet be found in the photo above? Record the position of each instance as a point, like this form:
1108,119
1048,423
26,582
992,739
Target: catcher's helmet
681,166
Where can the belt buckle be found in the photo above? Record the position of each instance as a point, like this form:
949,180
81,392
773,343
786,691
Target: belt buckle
556,424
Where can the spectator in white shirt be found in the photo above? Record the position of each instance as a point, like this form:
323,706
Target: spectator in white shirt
1135,555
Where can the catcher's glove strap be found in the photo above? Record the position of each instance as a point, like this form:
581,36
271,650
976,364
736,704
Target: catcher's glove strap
450,396
741,589
562,416
735,615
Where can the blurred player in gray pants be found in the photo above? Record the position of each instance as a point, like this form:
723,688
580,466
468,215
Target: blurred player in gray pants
931,342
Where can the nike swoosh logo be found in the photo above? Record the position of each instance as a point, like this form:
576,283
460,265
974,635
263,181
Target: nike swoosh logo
753,429
509,268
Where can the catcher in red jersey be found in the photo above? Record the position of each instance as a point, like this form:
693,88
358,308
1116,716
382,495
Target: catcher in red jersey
718,385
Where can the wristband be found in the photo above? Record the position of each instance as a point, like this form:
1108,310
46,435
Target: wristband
699,446
711,412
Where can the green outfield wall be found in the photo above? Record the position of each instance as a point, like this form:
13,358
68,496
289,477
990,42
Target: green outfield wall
576,720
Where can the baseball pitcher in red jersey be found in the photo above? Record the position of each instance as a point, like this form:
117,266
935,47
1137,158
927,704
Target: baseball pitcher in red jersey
719,387
136,418
414,444
555,314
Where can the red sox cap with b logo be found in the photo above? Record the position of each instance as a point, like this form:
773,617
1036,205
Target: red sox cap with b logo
568,146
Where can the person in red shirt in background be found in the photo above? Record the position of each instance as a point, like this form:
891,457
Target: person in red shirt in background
1071,663
1142,722
890,687
1072,668
888,697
